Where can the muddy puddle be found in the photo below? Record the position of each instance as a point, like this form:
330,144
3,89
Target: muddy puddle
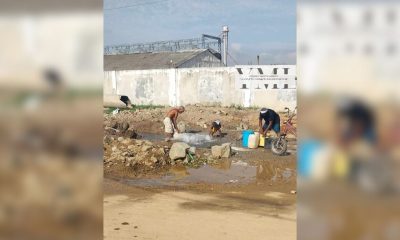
225,172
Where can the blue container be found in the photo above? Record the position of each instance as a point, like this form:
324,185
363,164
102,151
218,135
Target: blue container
245,137
306,157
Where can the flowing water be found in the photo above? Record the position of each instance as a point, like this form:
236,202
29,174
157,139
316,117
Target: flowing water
201,140
196,139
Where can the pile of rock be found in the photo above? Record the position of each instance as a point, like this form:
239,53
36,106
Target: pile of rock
122,129
133,153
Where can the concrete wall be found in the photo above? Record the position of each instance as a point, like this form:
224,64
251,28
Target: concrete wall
193,85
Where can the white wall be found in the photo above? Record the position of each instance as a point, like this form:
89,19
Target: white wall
195,86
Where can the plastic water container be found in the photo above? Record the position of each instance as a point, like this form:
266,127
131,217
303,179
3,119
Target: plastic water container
262,141
245,137
254,140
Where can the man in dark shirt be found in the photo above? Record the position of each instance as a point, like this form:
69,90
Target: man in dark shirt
271,121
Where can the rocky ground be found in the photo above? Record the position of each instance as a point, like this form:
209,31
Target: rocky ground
128,153
194,192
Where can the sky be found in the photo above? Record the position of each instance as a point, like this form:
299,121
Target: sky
256,27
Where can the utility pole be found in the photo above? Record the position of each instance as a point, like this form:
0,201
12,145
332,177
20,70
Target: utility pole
225,31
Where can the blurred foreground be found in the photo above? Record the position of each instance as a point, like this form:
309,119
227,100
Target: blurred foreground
349,127
50,120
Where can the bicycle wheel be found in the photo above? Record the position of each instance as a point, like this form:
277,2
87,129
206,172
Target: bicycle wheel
279,146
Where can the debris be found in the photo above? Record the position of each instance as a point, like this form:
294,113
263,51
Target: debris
115,111
293,192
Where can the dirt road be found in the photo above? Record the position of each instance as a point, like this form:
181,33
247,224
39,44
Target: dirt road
137,213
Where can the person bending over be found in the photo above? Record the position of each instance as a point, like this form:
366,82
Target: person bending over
170,122
271,121
216,128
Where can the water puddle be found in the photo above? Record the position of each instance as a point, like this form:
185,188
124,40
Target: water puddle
152,137
226,172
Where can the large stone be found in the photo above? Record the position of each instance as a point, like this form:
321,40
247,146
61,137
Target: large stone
223,151
216,151
192,150
181,127
146,148
178,150
226,150
161,151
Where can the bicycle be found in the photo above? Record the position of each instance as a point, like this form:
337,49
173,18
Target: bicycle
279,144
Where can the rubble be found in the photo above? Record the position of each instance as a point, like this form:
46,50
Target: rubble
132,153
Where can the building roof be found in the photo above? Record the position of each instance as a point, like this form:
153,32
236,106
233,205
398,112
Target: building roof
142,61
